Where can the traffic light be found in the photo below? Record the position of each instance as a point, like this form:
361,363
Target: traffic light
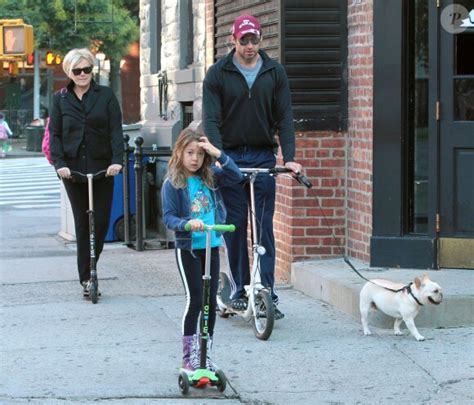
30,59
53,59
13,68
16,38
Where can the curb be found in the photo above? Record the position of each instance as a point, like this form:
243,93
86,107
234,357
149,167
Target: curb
333,282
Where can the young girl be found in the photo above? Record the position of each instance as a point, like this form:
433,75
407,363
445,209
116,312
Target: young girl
190,194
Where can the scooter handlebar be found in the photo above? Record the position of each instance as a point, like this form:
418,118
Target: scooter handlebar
217,228
97,175
300,178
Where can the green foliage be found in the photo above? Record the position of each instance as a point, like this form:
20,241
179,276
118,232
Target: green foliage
60,25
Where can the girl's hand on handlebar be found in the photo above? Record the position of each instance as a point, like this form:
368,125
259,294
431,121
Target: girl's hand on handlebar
294,167
196,225
113,170
64,173
209,147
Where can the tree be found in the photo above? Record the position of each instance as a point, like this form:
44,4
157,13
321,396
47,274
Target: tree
109,26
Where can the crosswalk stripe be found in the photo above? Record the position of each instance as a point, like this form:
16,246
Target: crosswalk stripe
20,206
28,183
22,187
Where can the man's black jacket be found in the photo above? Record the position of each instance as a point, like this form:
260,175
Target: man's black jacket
236,116
86,135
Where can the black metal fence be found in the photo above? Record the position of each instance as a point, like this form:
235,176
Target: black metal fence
139,152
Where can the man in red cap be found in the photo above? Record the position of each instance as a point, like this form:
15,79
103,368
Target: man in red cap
246,102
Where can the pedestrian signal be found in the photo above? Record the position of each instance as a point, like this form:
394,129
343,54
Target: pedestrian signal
53,59
16,38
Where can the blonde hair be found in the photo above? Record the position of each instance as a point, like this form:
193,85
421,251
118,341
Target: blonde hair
73,57
176,171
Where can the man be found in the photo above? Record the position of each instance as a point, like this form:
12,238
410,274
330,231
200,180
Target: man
246,102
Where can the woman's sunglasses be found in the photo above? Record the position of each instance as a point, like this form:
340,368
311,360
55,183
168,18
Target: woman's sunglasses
245,40
78,71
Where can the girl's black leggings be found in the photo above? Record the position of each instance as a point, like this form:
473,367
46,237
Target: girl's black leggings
191,270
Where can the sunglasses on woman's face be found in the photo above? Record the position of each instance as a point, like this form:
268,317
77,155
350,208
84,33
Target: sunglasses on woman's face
78,71
245,40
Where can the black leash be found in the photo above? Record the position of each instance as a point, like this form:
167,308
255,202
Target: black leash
347,261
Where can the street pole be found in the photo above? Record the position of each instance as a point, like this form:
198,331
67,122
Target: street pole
36,86
50,89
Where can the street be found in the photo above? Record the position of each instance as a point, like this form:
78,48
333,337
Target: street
28,183
56,347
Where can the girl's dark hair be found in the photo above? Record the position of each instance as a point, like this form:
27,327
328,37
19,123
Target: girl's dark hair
177,173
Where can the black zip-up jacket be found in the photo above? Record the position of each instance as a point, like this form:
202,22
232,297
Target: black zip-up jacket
236,116
86,135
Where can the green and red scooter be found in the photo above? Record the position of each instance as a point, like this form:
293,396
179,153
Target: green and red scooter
203,377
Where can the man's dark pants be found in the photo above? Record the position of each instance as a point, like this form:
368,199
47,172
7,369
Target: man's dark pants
237,199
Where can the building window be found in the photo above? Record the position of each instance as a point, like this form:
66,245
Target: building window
187,34
155,36
464,76
417,117
188,117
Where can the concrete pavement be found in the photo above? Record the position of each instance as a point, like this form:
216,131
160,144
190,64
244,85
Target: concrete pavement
58,348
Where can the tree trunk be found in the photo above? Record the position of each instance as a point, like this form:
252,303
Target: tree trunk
115,81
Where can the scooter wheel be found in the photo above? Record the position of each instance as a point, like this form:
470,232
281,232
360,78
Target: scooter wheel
222,313
221,381
223,292
183,382
264,316
94,294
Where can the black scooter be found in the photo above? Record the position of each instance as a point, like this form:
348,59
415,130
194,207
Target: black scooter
94,282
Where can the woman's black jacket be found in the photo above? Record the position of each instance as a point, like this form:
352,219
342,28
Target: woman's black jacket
86,135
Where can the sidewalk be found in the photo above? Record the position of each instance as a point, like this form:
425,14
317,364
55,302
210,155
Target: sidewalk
59,348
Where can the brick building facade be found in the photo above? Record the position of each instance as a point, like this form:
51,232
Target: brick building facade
328,51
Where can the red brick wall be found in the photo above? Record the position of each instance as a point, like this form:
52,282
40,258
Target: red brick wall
130,77
305,220
360,76
209,33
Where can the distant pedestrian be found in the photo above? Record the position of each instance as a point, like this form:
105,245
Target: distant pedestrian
86,136
5,131
5,134
246,103
190,194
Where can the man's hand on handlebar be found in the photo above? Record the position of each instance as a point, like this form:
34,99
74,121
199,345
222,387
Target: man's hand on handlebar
113,170
294,167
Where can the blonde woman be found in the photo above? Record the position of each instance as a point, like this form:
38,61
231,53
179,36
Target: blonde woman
86,136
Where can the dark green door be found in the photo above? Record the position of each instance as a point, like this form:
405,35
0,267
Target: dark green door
456,146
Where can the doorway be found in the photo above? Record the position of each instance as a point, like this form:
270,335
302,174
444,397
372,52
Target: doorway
456,140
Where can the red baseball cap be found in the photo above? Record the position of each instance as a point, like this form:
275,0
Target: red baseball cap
246,24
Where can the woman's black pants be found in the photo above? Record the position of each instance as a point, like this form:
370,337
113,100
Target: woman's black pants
79,199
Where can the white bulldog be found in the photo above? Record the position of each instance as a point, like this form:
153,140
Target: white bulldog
403,305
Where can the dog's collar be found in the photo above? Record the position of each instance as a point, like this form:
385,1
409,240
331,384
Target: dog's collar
408,288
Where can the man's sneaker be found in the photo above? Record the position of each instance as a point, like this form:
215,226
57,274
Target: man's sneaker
86,289
278,314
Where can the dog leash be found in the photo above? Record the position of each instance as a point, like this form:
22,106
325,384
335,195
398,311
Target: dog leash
347,261
405,288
